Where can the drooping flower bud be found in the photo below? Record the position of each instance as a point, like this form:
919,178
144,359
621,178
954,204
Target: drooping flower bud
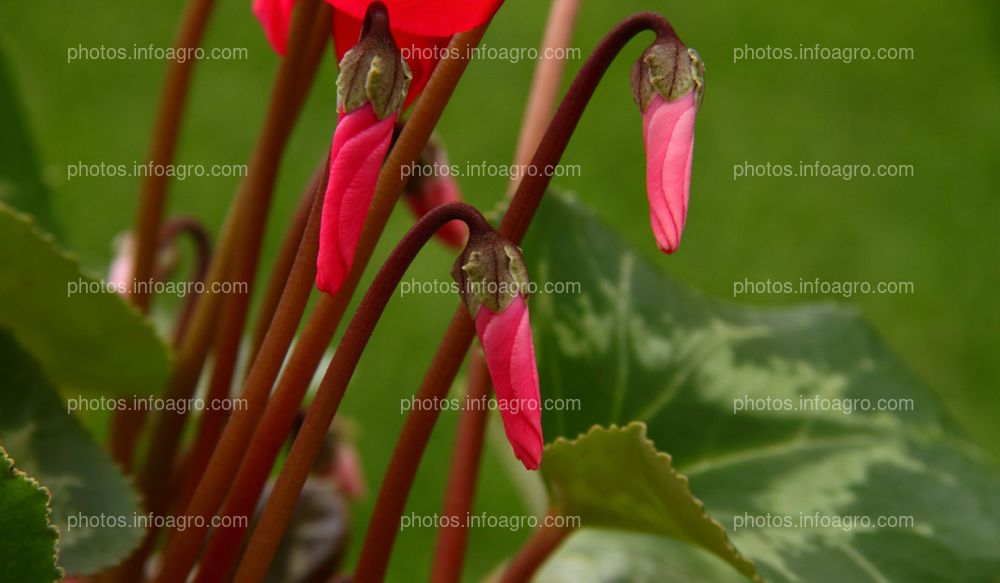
493,282
432,184
371,88
667,83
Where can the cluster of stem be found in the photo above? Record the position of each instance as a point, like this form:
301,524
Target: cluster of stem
227,467
255,434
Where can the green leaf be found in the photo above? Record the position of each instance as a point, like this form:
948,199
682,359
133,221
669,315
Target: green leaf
21,184
27,539
615,556
93,505
634,345
594,478
89,342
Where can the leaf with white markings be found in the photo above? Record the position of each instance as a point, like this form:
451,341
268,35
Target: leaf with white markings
777,416
92,503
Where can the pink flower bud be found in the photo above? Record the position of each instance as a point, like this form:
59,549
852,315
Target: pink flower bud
510,356
359,146
348,474
668,131
371,86
492,280
423,192
120,270
668,82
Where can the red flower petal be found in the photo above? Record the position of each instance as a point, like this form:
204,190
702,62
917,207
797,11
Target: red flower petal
668,131
421,53
359,147
276,17
427,17
510,356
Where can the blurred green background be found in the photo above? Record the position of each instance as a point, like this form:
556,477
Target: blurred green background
938,112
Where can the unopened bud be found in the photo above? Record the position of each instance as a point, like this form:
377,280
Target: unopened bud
669,69
490,272
374,70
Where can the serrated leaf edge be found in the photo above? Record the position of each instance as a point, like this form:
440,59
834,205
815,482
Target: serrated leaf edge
641,428
18,473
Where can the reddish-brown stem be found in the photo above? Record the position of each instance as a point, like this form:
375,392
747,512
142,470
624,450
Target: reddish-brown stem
452,539
172,101
244,224
231,453
182,548
281,502
125,428
539,547
251,205
283,264
384,525
213,420
202,243
234,314
130,423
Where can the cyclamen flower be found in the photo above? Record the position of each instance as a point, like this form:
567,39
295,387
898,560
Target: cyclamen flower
432,185
491,275
668,83
421,28
371,87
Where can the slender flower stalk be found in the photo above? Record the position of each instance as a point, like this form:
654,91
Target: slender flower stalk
183,548
281,503
239,251
125,427
539,547
230,334
201,240
173,100
181,551
286,259
412,442
453,534
545,82
246,217
213,420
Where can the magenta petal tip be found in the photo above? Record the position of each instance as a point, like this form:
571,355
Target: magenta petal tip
668,132
510,356
360,143
275,17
